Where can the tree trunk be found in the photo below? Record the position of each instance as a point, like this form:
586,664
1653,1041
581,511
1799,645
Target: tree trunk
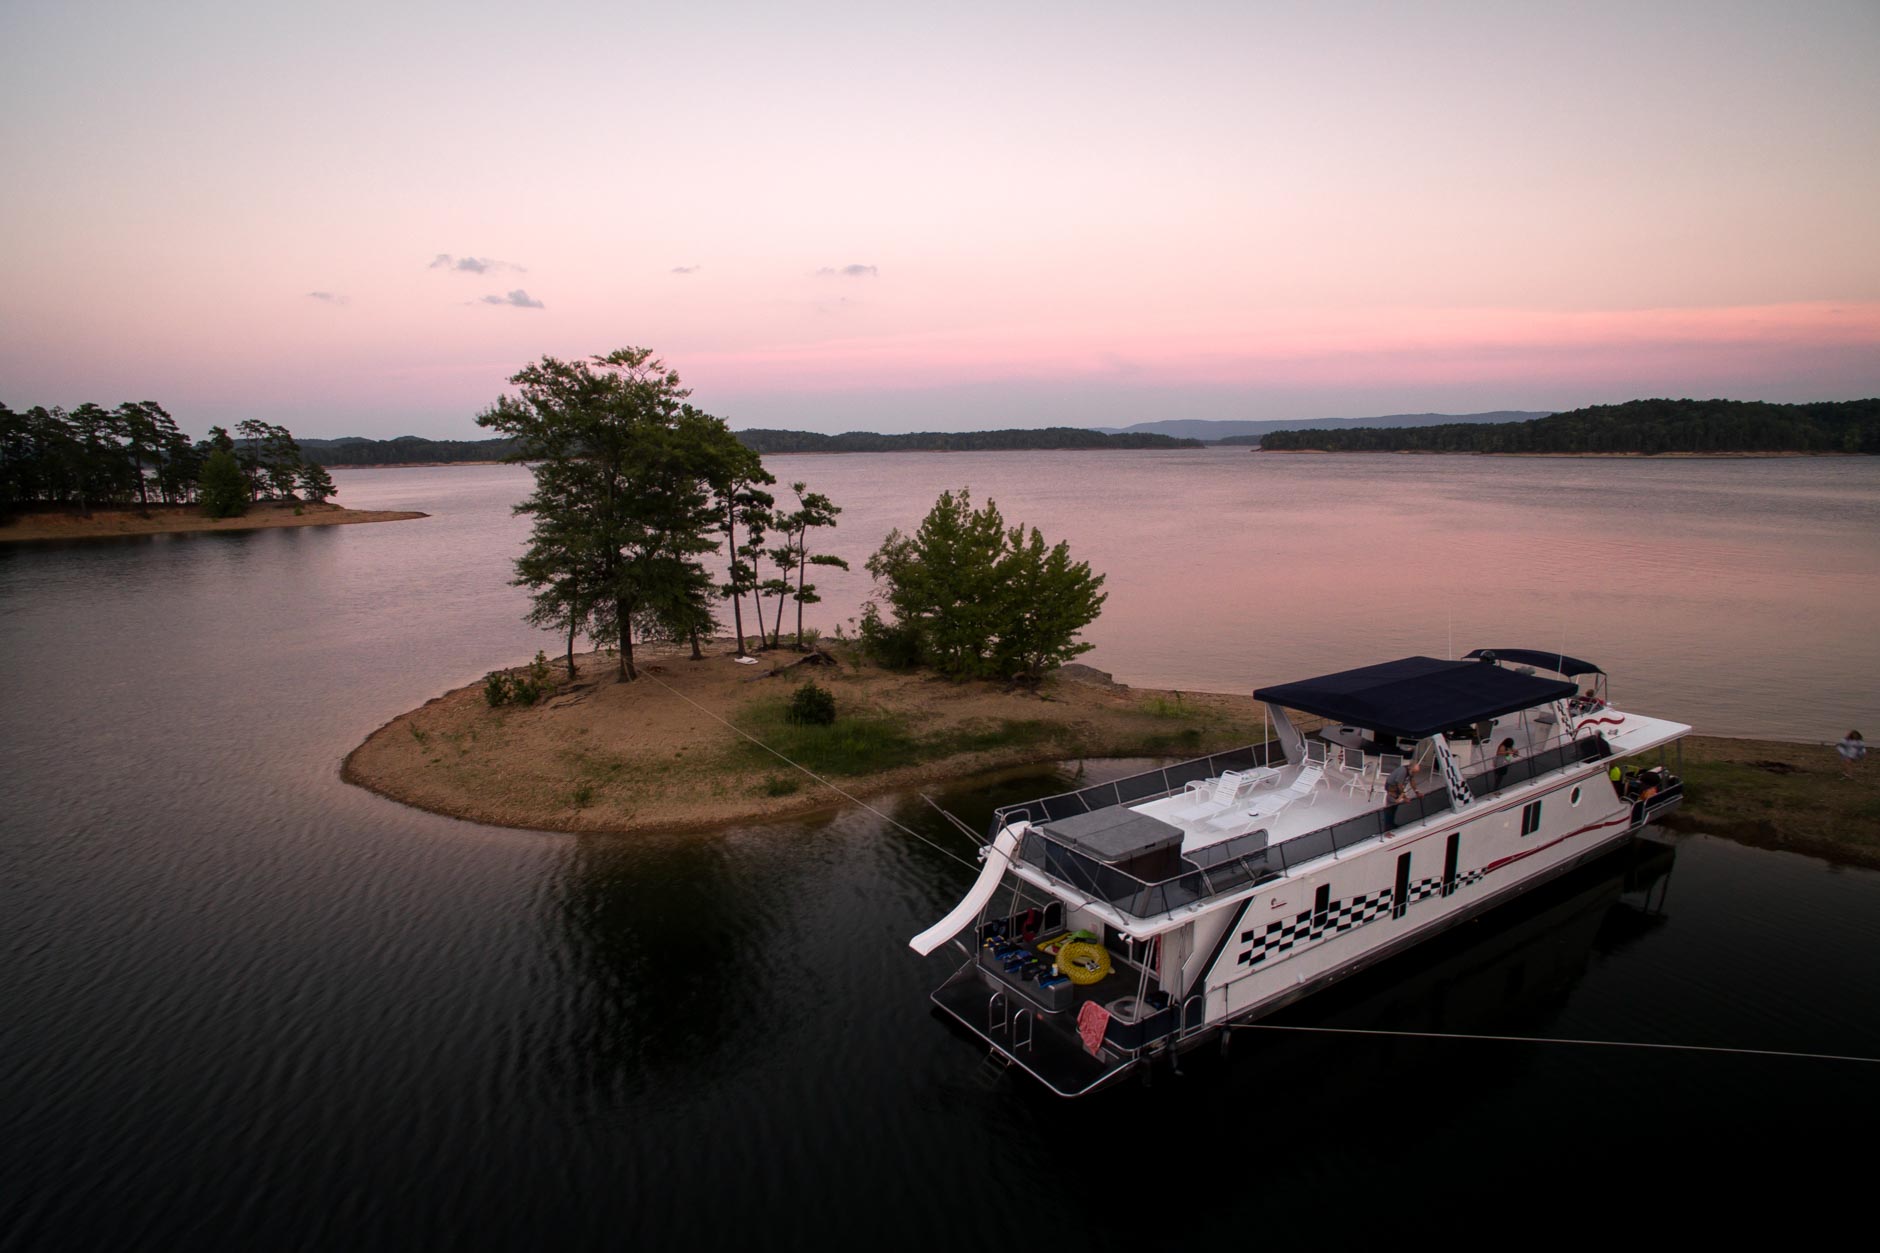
696,654
625,672
802,565
737,597
776,634
574,621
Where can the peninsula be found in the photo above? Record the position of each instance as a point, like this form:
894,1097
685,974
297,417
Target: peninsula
185,519
662,755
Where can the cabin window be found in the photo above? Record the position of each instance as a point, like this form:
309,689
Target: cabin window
1530,818
1321,904
1400,900
1575,798
1451,856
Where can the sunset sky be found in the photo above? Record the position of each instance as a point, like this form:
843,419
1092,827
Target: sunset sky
360,219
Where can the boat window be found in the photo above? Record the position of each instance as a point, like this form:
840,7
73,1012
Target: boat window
1530,818
1575,798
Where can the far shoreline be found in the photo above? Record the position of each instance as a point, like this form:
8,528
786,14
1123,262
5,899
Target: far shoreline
118,523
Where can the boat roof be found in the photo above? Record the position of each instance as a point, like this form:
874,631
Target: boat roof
1559,663
1417,697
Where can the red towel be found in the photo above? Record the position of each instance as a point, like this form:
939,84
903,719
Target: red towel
1092,1021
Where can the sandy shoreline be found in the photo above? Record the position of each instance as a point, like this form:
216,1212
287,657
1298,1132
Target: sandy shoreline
181,519
619,758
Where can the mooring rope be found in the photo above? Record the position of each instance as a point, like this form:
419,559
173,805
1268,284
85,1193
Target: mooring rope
795,765
1541,1039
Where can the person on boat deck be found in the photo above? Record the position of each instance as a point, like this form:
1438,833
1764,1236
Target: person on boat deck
1504,752
1401,785
1851,748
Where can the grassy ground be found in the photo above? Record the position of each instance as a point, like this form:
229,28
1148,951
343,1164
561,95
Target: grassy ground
1786,796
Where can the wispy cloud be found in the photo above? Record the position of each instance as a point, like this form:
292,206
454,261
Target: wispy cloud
517,299
472,265
687,269
331,298
849,271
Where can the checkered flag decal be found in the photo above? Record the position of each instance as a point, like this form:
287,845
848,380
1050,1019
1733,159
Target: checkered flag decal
1282,936
1459,794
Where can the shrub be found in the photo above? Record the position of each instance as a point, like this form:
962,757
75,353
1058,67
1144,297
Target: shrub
811,706
782,785
498,688
895,645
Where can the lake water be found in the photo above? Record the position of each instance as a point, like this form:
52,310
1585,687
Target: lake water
243,1005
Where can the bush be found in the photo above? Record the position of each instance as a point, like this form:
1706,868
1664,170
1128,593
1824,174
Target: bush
811,706
782,785
500,688
891,644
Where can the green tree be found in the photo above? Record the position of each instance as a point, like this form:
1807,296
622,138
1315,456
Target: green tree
224,488
743,500
626,475
976,600
315,483
814,510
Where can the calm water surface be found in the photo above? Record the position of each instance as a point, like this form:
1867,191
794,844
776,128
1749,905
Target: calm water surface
243,1005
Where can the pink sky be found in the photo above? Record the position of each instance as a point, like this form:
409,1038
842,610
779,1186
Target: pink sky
837,216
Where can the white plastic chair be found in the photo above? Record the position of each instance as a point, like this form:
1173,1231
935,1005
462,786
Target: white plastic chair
1369,772
1317,753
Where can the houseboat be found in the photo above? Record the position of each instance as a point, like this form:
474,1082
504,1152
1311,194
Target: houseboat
1122,923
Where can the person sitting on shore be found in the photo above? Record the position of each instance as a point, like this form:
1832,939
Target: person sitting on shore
1851,748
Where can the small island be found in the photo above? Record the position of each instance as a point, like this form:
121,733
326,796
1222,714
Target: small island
599,756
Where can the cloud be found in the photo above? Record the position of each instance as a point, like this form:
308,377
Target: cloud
517,299
472,265
687,269
849,271
329,297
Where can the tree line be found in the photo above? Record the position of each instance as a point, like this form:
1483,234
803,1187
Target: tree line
1047,438
92,456
1637,426
650,518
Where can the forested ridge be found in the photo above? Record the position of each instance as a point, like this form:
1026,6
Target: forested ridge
1045,438
356,450
1637,426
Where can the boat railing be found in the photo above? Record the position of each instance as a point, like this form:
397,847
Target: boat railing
1134,790
1496,777
1218,869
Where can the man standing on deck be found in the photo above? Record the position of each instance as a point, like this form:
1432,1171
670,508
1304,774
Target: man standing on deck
1401,785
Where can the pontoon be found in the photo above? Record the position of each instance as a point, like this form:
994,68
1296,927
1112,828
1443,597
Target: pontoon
1128,921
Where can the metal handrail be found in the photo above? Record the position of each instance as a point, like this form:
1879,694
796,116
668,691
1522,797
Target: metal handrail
1226,870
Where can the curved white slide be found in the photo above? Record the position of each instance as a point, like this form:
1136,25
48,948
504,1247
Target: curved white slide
997,858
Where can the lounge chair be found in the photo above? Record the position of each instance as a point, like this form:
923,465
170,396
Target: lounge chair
1214,795
1304,787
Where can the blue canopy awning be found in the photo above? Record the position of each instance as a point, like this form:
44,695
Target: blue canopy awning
1559,663
1417,697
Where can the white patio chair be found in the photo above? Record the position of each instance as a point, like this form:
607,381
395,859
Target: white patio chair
1367,777
1317,753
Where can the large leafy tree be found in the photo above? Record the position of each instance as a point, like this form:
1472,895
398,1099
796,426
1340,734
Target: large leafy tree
626,478
976,600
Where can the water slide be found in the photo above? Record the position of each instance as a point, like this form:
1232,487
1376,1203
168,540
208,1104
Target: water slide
997,858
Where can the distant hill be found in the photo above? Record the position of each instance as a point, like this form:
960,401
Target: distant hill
1237,432
1053,437
355,450
1637,426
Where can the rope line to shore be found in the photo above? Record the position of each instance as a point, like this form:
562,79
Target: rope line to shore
1541,1039
846,795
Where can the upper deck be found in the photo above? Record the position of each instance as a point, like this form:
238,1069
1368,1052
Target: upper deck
1156,847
